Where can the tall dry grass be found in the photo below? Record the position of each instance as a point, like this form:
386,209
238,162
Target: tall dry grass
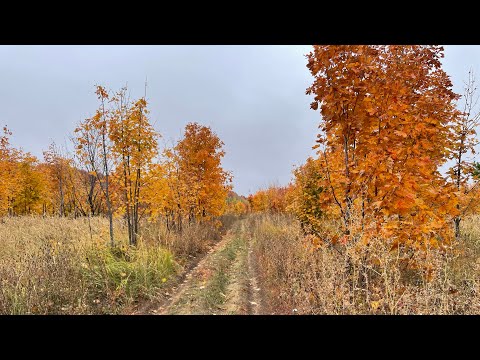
64,266
195,239
60,265
363,280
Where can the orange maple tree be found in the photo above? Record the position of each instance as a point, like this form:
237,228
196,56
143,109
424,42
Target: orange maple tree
134,146
386,118
32,191
305,197
9,174
206,183
190,183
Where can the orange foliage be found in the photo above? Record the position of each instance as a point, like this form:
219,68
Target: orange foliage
305,197
273,199
386,115
190,183
237,205
134,146
8,173
114,170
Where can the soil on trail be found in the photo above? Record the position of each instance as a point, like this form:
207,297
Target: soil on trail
222,283
166,297
255,292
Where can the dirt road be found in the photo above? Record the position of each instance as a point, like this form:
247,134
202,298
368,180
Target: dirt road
223,282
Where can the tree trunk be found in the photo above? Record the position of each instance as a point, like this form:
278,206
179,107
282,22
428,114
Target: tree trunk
62,200
107,192
127,200
457,227
348,200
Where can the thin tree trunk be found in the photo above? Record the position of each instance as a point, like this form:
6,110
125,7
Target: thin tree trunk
62,200
457,218
107,190
348,200
457,226
127,200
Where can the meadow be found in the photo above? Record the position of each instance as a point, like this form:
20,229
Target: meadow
383,219
300,278
65,266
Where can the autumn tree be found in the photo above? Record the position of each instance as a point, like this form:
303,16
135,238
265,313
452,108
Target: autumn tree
158,194
205,184
59,167
90,194
32,187
464,142
76,196
278,198
165,191
386,115
9,173
189,183
306,195
93,148
134,146
259,201
237,205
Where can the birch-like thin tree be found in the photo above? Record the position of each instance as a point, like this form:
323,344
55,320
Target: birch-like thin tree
93,148
464,142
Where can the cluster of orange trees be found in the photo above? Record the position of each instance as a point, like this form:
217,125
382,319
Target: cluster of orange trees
237,205
30,187
390,126
394,158
117,169
272,199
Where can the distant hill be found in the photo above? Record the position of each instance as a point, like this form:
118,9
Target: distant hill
234,197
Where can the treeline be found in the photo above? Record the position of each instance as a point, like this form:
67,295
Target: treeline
118,170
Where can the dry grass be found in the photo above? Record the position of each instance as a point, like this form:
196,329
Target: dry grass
363,280
194,240
65,266
54,266
40,264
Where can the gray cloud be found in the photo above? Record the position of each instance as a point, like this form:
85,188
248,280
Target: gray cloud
252,96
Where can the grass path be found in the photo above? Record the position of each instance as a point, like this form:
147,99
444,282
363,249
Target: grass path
222,283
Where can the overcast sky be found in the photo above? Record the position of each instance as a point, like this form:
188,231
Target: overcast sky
253,97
